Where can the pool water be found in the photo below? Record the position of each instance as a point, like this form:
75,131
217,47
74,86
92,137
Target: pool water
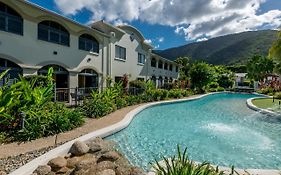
218,128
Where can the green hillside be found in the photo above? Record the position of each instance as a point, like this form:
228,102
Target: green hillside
228,49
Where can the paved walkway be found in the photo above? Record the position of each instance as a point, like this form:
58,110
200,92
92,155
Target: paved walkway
90,125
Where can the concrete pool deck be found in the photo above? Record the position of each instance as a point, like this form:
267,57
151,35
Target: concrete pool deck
106,130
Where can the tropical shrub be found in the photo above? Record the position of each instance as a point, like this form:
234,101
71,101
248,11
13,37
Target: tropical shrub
182,165
201,74
176,93
137,84
20,96
102,103
50,119
121,102
277,95
266,90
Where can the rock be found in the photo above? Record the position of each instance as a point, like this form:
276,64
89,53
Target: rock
71,162
86,164
63,170
79,148
57,163
98,140
94,147
43,170
107,172
104,165
67,156
136,171
2,173
109,156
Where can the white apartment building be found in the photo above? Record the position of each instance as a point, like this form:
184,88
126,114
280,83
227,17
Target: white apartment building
32,39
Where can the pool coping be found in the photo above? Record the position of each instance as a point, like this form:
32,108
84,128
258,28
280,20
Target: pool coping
107,131
261,110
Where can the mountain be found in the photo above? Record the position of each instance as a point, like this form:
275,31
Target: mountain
227,50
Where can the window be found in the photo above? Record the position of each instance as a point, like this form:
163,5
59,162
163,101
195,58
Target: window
88,43
177,68
88,78
118,80
166,66
120,52
10,20
53,32
141,58
153,62
171,67
160,64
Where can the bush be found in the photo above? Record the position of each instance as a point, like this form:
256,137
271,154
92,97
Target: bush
219,89
50,119
266,90
137,84
277,95
120,103
181,164
213,85
175,93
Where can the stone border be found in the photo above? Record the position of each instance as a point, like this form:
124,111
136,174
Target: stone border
263,111
107,131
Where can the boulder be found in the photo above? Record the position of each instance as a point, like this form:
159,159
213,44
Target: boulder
43,170
107,172
79,148
86,164
104,165
71,162
109,156
63,170
136,171
94,147
57,163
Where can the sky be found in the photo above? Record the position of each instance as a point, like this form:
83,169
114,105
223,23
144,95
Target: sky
171,23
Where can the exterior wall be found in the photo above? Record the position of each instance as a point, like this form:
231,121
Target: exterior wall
32,54
130,66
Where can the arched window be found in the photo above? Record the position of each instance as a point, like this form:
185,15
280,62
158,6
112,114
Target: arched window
88,43
153,62
160,64
166,66
88,78
53,32
14,71
10,20
60,75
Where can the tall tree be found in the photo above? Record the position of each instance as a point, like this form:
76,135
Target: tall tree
275,53
201,74
184,63
258,67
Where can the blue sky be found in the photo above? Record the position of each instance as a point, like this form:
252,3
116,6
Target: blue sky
171,23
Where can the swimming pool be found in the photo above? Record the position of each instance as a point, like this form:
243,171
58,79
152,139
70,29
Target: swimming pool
218,128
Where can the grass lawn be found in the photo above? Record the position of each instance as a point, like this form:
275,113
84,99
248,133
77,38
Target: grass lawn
267,103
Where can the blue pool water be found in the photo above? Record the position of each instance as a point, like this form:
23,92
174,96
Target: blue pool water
219,128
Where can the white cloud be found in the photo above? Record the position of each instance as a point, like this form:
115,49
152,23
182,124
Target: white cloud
194,19
160,39
202,39
149,41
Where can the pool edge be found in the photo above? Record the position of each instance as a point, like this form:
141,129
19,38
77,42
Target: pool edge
107,131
